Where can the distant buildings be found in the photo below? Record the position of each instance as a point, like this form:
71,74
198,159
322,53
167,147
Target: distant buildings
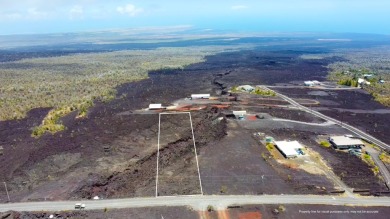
289,149
200,96
345,142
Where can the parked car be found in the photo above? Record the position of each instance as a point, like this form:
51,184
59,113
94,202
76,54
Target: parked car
79,206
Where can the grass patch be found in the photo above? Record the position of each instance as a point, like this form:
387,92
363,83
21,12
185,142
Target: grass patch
367,158
264,92
385,157
325,144
269,146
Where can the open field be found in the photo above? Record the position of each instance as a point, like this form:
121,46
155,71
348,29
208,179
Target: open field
74,82
113,151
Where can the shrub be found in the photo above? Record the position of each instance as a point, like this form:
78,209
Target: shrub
223,189
325,144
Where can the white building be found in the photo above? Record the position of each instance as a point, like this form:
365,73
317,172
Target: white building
311,83
308,83
239,114
155,106
289,149
344,142
200,96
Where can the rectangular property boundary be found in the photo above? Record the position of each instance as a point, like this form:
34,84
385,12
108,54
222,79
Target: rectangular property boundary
158,149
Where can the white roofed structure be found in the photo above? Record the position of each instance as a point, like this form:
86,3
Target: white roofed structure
289,149
308,83
155,106
200,96
344,142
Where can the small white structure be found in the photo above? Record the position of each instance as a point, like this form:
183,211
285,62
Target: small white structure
316,82
155,106
363,81
246,88
308,83
381,81
311,83
200,96
239,113
289,149
96,198
344,142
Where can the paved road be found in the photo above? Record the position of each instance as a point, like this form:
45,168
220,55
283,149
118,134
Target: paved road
327,123
197,202
375,155
358,132
382,168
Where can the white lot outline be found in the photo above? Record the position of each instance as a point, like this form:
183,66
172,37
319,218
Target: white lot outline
158,148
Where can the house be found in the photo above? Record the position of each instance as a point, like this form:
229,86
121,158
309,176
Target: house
381,81
316,82
289,149
344,142
368,76
155,106
200,96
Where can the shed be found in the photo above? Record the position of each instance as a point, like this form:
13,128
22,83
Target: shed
289,149
308,83
200,96
344,142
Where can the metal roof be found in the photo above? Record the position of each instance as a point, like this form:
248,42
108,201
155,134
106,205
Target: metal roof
289,148
343,140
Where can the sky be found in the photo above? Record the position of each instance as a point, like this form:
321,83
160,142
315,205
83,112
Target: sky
56,16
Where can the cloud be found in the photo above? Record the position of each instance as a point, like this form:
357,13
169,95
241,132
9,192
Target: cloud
34,13
130,10
239,7
76,12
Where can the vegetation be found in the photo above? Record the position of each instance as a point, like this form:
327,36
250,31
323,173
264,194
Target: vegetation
72,83
374,61
325,144
269,146
263,92
385,157
367,158
210,208
348,82
223,189
281,208
234,89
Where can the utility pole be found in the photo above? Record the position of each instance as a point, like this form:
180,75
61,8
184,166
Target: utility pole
6,190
